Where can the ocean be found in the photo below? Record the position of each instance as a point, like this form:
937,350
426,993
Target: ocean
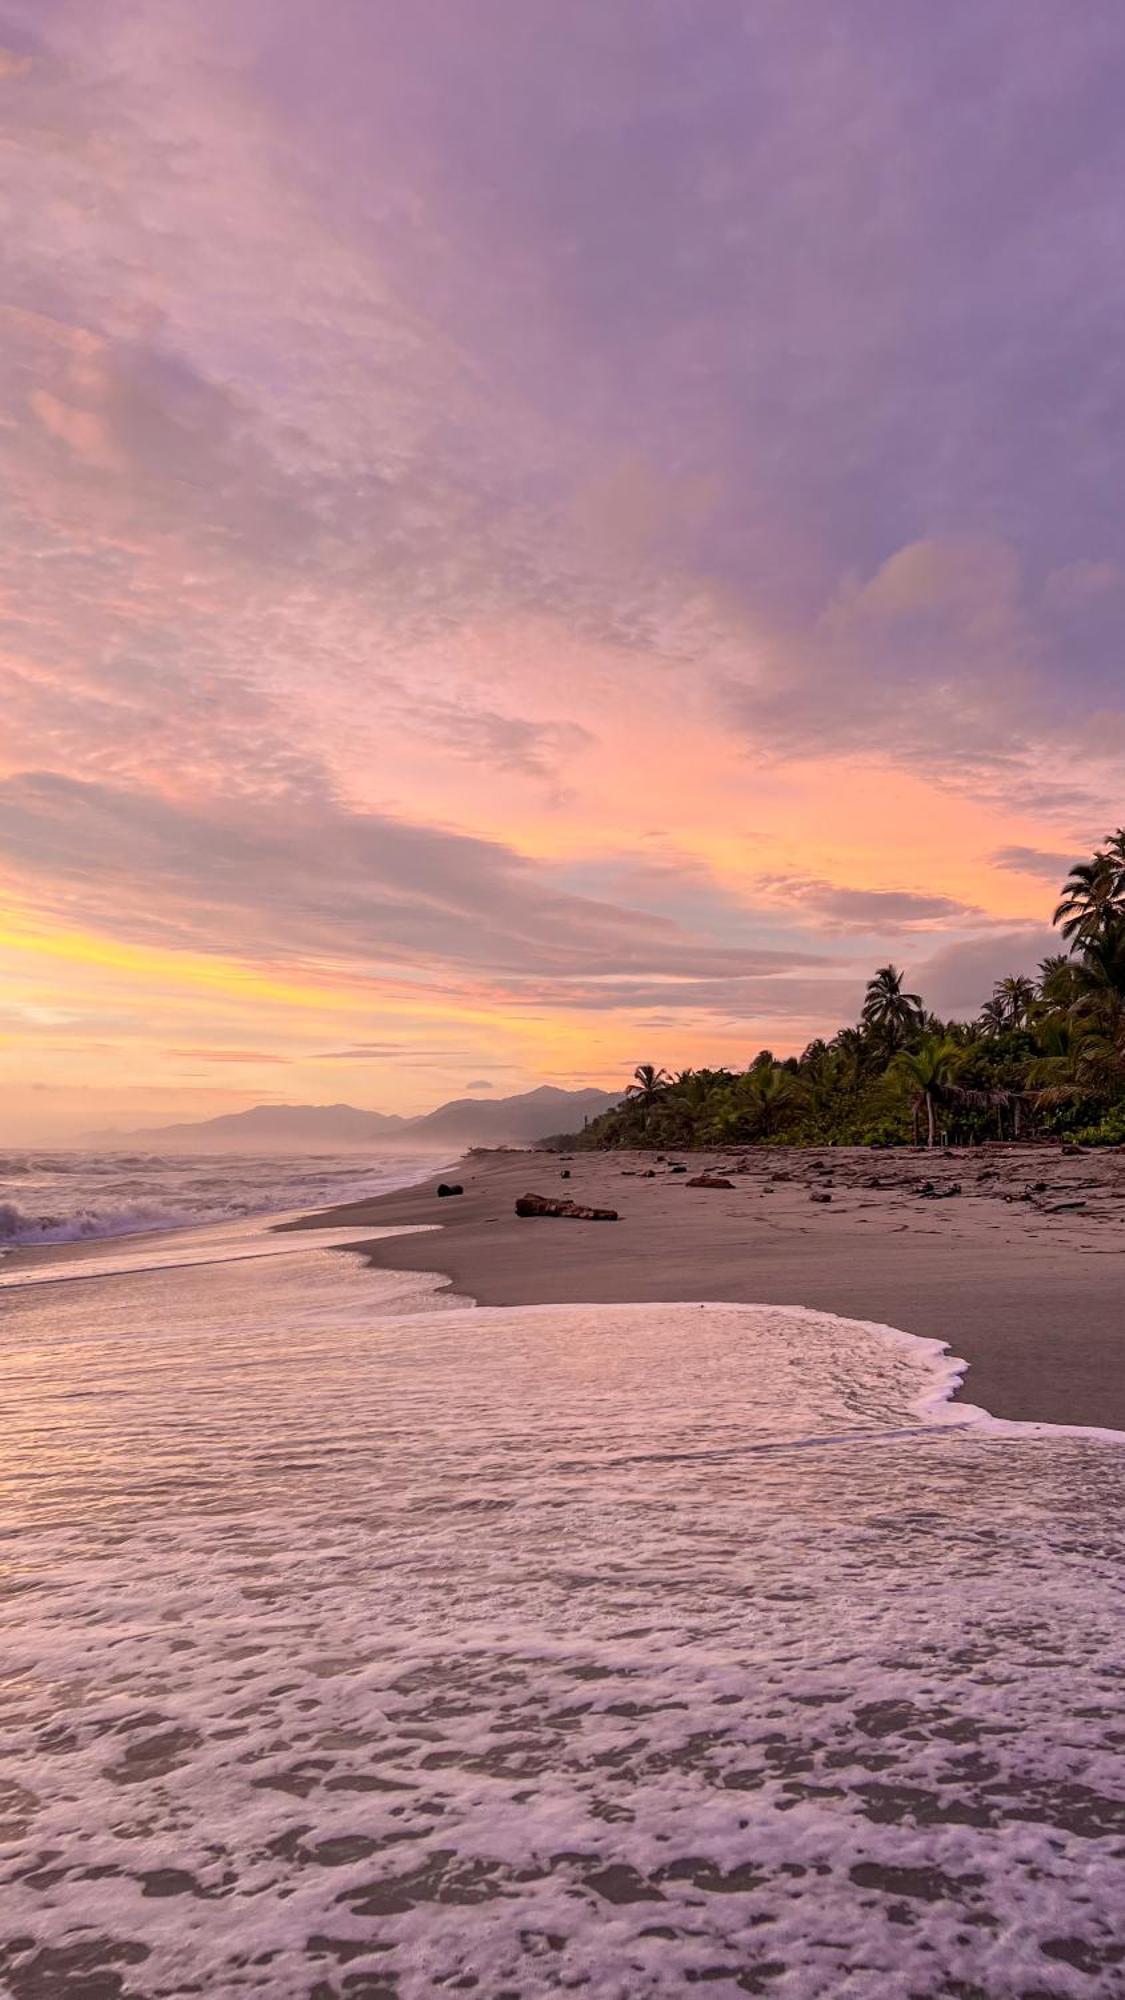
67,1197
364,1645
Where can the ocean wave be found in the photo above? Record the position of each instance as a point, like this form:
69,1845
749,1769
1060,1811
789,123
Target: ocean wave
22,1226
84,1197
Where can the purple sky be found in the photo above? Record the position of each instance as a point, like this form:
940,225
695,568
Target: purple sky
541,535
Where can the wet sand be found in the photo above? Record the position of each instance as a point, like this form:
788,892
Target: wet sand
1028,1289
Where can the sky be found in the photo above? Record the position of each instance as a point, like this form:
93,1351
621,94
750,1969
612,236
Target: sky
540,535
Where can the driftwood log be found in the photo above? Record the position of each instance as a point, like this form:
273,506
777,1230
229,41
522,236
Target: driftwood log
549,1204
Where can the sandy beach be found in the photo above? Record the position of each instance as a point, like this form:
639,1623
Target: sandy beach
1022,1272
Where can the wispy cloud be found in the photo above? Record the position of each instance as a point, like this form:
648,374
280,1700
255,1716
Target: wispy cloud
497,499
1046,864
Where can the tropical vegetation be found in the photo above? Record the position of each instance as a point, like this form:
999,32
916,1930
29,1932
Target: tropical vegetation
1045,1055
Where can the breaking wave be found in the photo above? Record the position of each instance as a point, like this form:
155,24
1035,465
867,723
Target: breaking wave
22,1226
83,1197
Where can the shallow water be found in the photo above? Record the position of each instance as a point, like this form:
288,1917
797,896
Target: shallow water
363,1644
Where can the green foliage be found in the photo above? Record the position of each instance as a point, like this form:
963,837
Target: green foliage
1044,1055
1109,1131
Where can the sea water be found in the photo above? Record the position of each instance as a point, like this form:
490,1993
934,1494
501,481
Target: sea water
359,1643
78,1196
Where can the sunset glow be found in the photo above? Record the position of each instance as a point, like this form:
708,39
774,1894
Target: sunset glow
541,536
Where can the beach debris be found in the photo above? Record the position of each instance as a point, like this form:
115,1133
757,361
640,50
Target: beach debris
677,1169
819,1194
450,1187
565,1174
1057,1207
1070,1149
548,1204
709,1180
929,1192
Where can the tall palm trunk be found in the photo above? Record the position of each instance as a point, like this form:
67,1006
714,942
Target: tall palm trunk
930,1123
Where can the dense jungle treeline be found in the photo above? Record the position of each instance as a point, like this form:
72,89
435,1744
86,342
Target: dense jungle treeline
1044,1056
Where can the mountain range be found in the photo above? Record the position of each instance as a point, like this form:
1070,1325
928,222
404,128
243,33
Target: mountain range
464,1121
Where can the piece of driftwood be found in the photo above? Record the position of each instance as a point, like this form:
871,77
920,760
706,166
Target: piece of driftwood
576,1211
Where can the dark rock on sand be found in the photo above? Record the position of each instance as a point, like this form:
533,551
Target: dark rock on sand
709,1180
818,1194
450,1187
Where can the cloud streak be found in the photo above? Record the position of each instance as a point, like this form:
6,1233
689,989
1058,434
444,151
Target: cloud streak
580,514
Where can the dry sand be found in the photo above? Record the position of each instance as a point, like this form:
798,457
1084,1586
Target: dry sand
1029,1291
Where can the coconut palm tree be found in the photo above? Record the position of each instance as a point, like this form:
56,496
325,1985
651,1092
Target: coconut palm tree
993,1017
1098,1008
1056,979
648,1086
1055,1071
1092,894
964,1033
776,1093
1015,997
764,1096
888,1012
928,1072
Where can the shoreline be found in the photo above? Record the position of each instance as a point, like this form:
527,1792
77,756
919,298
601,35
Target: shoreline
1021,1274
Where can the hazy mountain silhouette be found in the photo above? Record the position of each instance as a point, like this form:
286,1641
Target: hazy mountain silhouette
465,1121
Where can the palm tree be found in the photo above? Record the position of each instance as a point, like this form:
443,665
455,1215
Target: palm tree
763,1097
993,1017
964,1033
928,1071
890,1013
1056,979
774,1092
1015,997
815,1057
685,1101
1092,893
1055,1072
648,1086
1099,1006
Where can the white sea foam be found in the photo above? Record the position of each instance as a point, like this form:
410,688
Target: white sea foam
78,1197
230,1243
359,1649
